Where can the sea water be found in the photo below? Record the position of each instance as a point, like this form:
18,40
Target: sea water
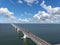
48,32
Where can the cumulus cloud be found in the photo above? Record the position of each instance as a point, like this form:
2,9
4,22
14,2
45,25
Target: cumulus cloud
23,20
6,12
51,15
50,9
20,1
41,15
29,2
9,15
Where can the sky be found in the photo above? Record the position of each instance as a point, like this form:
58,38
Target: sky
30,11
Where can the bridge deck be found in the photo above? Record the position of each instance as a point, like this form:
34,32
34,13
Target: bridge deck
33,37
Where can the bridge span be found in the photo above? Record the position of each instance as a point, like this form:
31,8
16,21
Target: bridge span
31,36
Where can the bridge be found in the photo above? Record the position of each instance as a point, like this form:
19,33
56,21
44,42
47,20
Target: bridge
31,36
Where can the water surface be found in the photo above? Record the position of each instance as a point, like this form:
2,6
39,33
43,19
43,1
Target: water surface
48,32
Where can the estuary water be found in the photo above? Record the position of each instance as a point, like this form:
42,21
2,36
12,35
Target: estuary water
48,32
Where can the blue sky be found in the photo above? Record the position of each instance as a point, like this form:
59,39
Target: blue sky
30,11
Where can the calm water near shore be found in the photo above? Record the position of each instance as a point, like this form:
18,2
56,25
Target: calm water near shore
48,32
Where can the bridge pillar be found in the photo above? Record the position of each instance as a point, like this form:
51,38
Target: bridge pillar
18,30
25,36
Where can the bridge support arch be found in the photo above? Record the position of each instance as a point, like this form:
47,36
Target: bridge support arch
24,35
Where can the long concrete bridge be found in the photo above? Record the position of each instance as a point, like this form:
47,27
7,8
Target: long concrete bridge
31,36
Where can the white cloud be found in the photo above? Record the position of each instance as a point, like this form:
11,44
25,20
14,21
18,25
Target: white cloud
29,2
51,16
9,15
6,12
20,1
50,9
23,20
41,15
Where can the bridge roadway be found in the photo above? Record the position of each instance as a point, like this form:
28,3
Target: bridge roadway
31,36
